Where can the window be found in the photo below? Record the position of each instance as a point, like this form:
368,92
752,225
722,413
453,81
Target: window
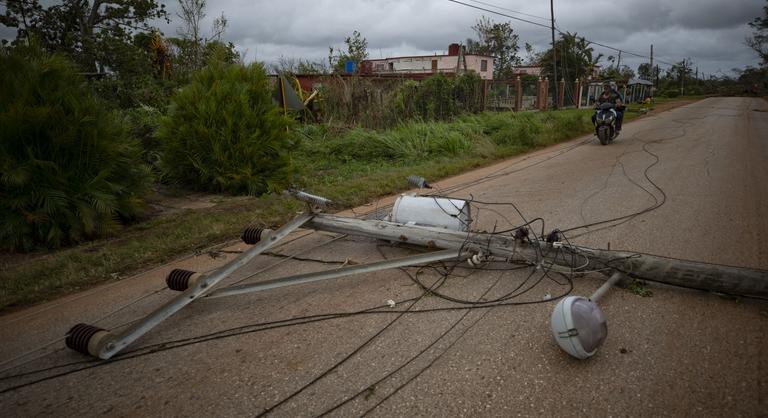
391,66
483,66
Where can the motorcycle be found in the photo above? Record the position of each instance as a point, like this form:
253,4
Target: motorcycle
605,122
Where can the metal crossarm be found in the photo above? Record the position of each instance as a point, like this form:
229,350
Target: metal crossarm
108,344
336,273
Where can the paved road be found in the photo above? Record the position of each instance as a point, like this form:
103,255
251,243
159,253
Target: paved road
676,353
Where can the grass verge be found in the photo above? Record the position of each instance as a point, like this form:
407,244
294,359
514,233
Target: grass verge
350,167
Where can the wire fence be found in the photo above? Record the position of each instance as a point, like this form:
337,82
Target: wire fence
381,102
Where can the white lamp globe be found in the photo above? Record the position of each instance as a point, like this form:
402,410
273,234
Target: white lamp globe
578,326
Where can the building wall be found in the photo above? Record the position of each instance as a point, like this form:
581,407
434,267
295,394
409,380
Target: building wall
475,63
424,64
527,70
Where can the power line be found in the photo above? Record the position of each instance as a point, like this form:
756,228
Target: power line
559,31
509,10
499,13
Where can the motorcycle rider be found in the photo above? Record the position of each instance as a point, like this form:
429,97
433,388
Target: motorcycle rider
610,95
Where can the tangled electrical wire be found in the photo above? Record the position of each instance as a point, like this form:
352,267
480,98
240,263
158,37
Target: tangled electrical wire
556,263
444,270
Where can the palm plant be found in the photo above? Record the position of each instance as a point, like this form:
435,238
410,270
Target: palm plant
223,133
68,169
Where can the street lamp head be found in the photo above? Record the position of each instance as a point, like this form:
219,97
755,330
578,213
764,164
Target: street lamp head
578,326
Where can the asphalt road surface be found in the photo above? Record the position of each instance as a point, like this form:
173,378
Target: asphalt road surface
700,170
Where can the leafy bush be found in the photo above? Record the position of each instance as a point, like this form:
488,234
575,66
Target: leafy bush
468,89
143,122
672,93
70,171
223,132
437,98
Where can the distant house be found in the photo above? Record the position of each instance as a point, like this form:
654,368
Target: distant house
422,65
527,70
536,70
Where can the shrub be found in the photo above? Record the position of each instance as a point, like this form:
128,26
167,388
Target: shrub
469,92
223,133
672,93
435,98
70,171
142,123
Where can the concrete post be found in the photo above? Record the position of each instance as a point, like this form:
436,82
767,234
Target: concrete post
518,94
561,95
539,92
577,97
625,91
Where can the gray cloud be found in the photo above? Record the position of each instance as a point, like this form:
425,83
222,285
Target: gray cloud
710,32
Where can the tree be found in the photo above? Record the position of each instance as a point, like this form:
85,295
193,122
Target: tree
192,12
94,33
680,71
357,51
531,57
293,65
499,41
759,39
754,80
645,72
575,58
311,67
623,73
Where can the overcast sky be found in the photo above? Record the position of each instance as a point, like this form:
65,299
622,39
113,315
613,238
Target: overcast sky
710,32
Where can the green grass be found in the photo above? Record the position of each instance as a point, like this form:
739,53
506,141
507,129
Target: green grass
640,288
349,166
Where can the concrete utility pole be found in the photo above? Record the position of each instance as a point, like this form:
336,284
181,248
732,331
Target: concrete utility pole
451,245
652,73
554,50
682,78
618,64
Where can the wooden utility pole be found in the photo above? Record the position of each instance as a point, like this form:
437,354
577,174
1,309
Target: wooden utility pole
554,50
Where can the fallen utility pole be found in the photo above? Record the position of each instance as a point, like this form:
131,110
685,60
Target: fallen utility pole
448,245
690,274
